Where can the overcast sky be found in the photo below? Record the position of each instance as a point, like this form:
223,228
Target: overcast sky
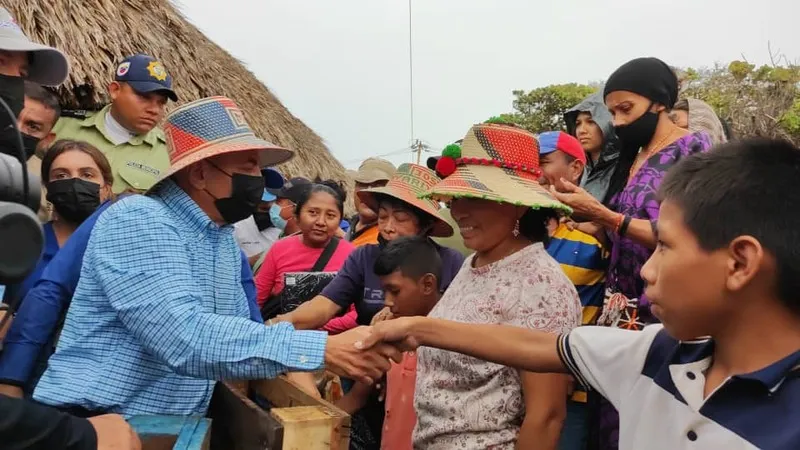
342,66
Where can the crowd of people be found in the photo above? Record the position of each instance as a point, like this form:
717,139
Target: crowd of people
629,282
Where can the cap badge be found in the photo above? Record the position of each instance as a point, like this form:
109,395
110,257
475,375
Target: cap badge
123,68
157,70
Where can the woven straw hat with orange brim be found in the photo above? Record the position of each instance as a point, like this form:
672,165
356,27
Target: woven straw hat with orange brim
495,162
209,127
407,184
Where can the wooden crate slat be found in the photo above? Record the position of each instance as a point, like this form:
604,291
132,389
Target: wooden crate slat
172,432
283,393
240,424
195,435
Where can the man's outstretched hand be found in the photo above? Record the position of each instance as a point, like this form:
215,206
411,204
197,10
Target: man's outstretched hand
345,358
396,332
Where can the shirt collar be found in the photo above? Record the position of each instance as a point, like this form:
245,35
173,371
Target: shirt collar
185,208
98,121
771,376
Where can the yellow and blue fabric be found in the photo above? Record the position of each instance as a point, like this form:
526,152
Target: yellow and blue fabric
159,314
584,260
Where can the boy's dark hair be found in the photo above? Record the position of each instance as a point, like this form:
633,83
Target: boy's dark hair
533,224
44,96
746,187
327,186
413,256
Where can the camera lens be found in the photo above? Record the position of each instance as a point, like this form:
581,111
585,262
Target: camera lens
11,183
21,242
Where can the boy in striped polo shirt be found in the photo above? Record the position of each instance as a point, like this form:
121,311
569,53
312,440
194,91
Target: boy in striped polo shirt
722,369
583,258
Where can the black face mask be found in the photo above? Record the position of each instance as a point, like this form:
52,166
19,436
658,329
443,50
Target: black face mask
10,146
263,220
12,91
639,132
74,199
246,192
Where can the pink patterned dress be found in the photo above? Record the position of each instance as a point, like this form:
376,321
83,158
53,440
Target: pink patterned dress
463,402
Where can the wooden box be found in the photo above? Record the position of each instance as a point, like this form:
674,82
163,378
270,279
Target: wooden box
290,419
172,433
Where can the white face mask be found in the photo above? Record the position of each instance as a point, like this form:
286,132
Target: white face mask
275,215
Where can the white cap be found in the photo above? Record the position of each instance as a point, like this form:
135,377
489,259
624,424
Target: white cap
48,65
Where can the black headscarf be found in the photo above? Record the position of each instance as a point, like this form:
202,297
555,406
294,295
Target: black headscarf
651,78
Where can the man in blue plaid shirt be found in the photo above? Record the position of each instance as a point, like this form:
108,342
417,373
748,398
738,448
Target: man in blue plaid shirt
159,313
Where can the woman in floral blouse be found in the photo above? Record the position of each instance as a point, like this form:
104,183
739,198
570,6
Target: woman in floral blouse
502,213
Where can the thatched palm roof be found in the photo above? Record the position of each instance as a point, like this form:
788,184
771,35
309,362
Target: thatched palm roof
97,34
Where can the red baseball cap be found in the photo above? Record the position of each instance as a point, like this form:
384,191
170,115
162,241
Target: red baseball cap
551,141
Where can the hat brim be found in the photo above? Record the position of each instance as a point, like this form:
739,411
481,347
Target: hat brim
496,184
272,179
144,87
48,67
269,154
440,226
268,197
369,178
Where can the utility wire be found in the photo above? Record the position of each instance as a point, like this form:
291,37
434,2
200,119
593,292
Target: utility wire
410,72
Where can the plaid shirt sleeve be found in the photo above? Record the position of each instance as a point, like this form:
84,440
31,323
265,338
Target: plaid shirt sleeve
148,280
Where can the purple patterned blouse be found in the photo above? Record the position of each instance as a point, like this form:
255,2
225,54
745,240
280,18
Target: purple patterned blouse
639,201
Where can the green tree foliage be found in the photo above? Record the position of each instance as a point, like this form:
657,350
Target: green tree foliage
542,109
755,101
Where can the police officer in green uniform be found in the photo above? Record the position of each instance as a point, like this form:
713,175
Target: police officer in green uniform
126,130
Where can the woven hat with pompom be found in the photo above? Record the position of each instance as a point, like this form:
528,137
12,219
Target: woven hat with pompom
496,161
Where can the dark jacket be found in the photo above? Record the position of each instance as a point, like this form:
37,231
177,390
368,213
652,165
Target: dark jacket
28,425
596,176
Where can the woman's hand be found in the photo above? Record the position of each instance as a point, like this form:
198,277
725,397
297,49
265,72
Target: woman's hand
384,314
582,203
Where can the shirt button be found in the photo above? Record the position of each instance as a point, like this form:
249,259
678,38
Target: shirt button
691,375
303,359
691,435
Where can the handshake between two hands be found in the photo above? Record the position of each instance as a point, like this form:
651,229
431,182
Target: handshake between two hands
364,353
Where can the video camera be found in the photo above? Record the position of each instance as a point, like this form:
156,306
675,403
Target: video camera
21,236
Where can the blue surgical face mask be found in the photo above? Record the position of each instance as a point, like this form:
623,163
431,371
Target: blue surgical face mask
275,215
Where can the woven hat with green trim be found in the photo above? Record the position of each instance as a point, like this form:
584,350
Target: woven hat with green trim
495,162
407,184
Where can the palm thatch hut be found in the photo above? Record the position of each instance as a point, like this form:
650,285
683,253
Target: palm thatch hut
97,34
